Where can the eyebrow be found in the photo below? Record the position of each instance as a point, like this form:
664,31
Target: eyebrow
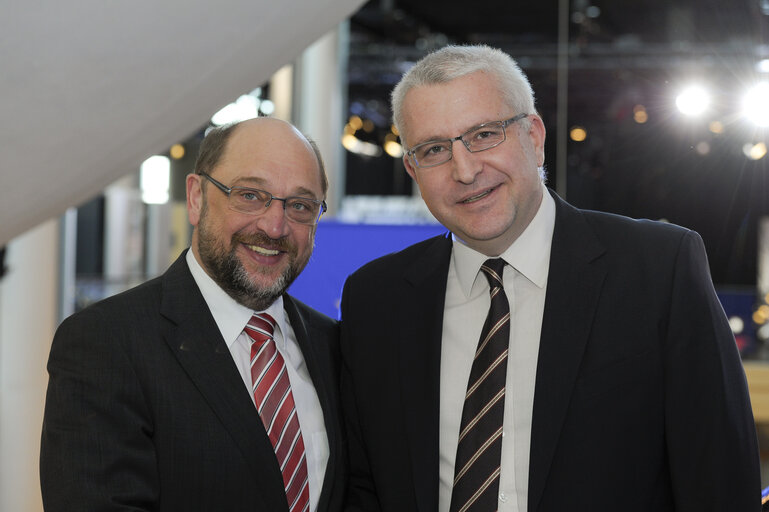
435,138
256,182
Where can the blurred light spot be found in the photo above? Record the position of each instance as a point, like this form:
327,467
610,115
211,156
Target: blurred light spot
393,148
267,107
716,127
755,104
578,134
640,115
737,324
593,11
762,66
394,129
703,148
177,151
354,145
754,151
693,101
368,126
356,123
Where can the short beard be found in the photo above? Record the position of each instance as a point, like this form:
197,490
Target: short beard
228,272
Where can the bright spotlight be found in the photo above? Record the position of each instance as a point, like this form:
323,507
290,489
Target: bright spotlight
693,101
155,179
755,104
245,107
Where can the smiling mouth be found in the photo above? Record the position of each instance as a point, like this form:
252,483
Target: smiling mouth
478,196
262,250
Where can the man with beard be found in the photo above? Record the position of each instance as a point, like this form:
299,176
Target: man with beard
208,388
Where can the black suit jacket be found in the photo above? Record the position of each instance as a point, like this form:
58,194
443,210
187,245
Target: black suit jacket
146,409
640,399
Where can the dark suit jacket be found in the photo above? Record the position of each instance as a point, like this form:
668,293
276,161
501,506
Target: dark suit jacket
640,399
146,409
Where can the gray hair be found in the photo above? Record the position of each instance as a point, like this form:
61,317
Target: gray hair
453,62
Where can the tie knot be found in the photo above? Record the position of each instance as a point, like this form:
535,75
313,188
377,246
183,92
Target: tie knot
493,268
260,327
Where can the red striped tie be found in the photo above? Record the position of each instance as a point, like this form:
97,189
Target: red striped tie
275,403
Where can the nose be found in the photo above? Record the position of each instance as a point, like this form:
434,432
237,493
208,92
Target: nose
273,220
465,167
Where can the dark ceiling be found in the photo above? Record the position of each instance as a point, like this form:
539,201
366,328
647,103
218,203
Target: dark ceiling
622,54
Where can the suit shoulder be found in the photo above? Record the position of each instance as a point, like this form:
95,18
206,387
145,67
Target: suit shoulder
395,262
126,305
626,230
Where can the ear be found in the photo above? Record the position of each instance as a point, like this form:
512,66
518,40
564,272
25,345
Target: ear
410,169
537,136
194,198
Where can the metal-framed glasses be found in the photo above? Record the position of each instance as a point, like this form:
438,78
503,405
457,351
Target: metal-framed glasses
253,201
479,138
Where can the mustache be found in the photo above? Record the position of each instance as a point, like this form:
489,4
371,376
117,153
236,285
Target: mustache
281,244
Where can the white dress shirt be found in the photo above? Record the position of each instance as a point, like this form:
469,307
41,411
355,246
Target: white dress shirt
231,318
465,310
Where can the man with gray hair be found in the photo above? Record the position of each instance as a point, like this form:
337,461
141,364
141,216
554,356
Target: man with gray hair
538,357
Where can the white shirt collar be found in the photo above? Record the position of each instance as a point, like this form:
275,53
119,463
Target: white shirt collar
529,254
230,316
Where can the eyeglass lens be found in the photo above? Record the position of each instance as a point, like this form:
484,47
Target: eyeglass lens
476,139
254,202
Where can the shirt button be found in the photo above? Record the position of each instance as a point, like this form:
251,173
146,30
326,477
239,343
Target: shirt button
502,497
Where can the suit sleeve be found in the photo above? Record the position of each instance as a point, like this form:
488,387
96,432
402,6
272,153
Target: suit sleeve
711,437
361,494
96,447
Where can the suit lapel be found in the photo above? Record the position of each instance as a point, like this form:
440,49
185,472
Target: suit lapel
319,368
308,339
419,359
574,283
193,337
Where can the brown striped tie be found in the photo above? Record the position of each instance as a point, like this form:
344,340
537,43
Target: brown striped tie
275,403
476,468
